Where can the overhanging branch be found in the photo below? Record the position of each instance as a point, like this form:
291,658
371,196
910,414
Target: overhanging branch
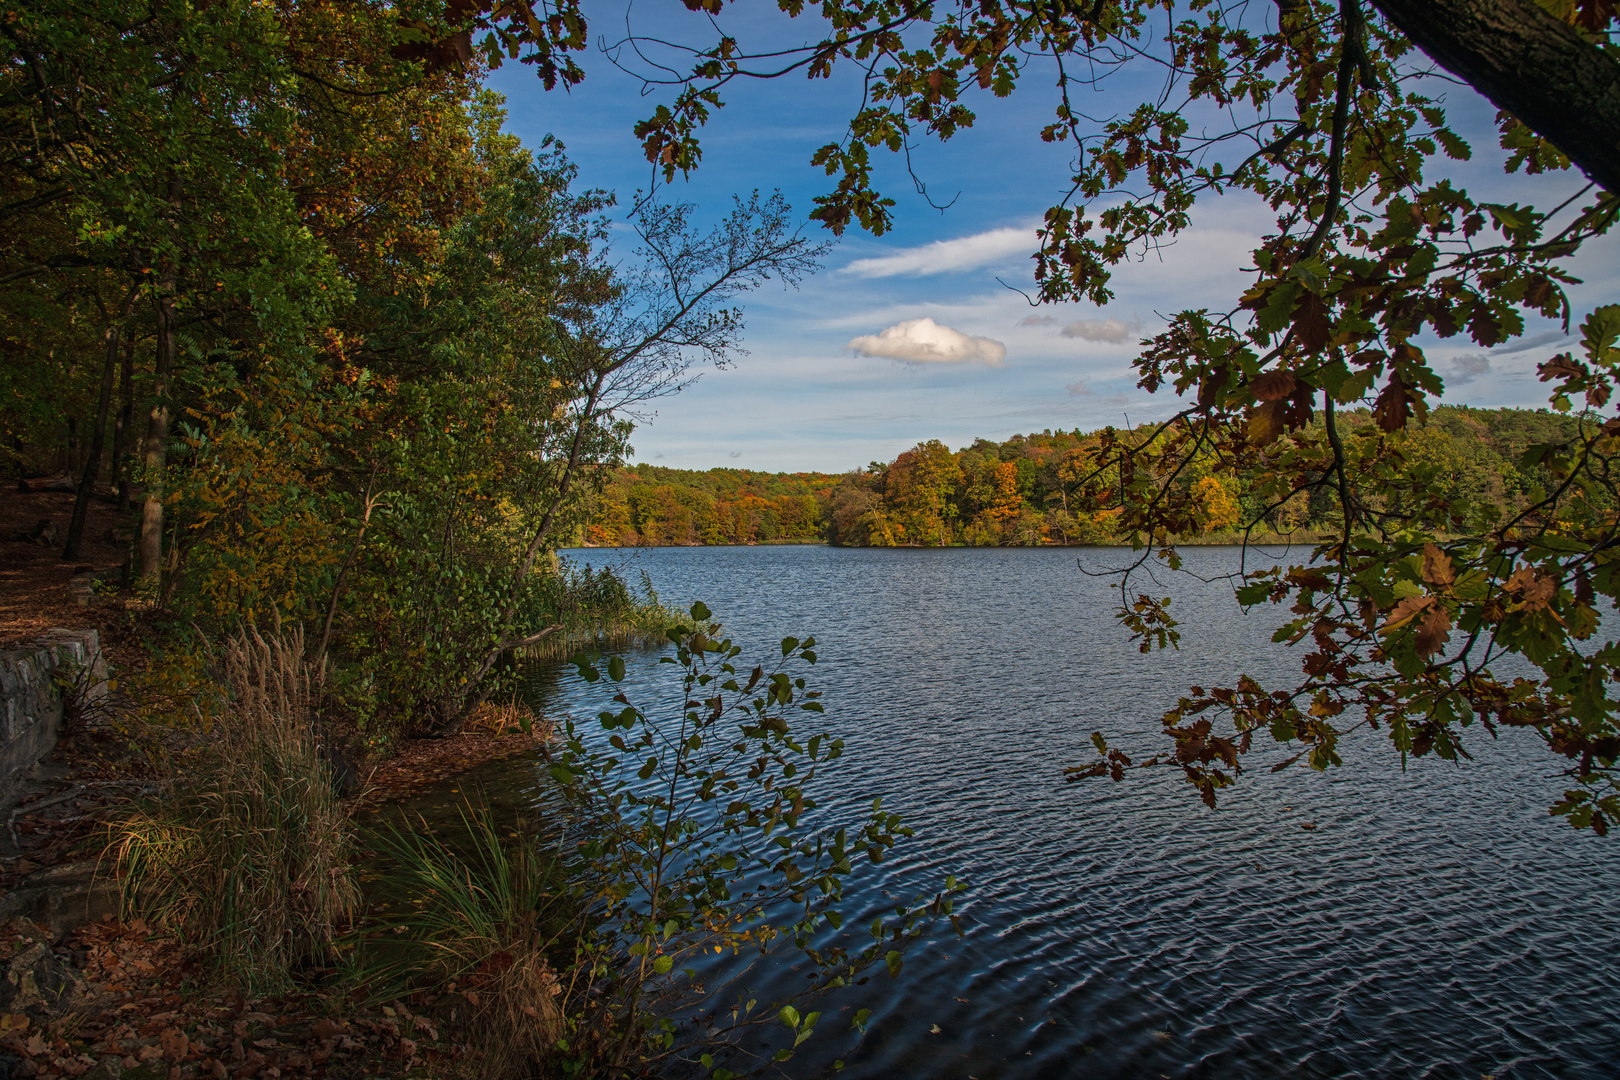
1532,65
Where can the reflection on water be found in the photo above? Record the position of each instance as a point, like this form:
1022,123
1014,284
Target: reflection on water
1365,922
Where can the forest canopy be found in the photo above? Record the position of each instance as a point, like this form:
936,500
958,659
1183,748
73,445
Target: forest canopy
1041,489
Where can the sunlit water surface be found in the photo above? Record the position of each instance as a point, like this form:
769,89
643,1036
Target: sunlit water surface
1363,922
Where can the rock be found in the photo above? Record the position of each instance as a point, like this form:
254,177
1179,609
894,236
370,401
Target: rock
58,482
36,981
63,898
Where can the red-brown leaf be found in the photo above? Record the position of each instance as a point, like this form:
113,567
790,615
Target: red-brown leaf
1437,568
1274,385
1404,611
1311,322
1434,631
1394,405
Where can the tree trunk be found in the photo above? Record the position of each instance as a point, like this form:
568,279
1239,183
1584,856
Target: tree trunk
1529,63
92,461
157,420
125,425
157,442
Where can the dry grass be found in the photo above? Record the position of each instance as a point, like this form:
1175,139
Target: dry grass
510,718
250,858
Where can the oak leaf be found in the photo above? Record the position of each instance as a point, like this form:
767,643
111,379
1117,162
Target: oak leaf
1434,631
1394,405
1266,423
1437,568
1311,322
1274,385
1405,611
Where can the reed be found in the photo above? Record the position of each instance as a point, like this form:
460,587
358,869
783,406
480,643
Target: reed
250,856
598,610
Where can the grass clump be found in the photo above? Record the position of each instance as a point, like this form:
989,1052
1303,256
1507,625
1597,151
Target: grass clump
491,921
250,856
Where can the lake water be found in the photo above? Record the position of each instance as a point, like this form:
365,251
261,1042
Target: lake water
1436,923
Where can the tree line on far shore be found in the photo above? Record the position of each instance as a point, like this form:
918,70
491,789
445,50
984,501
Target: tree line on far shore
1044,488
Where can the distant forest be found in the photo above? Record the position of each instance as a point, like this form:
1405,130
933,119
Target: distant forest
1037,489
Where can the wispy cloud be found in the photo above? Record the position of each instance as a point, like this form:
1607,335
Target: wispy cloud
1037,320
1110,330
947,256
1534,341
923,341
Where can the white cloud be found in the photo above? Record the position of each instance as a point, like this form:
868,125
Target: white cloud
945,256
1465,369
924,341
1037,320
1106,330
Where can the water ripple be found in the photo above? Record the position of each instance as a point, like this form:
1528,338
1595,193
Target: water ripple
1434,922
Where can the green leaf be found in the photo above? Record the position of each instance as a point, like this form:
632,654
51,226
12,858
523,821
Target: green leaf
789,644
789,1016
663,964
701,612
861,1017
894,960
616,669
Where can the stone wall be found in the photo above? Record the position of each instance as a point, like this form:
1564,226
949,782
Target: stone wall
34,686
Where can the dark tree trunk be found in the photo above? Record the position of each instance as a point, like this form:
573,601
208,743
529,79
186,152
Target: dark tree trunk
157,442
92,461
126,424
157,420
1532,65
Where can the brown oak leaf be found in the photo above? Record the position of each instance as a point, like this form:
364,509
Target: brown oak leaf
1394,405
1266,423
1437,569
1434,631
1403,612
1274,385
1311,322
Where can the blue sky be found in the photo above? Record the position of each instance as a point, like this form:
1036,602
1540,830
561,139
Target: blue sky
831,378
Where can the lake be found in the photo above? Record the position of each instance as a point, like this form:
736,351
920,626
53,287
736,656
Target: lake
1361,922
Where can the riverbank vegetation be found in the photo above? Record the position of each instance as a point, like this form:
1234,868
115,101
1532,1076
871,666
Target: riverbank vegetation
1052,488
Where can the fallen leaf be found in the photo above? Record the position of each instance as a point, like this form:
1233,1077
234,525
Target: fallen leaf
174,1043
